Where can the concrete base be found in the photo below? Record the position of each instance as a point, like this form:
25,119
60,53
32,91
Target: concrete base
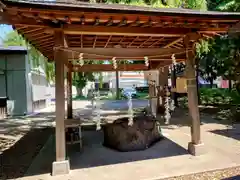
196,149
60,167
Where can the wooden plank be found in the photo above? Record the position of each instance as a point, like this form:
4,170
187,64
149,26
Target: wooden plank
108,67
156,42
94,42
145,41
60,100
127,31
109,39
139,59
173,42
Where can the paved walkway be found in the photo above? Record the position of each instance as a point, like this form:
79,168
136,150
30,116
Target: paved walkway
165,159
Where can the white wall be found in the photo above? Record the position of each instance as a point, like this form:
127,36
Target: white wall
125,79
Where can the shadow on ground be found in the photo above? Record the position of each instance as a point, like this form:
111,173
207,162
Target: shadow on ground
95,154
230,133
233,178
17,159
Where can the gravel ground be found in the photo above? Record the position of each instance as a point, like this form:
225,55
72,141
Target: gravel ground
5,144
18,156
225,174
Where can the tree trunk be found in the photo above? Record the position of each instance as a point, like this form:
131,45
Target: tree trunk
117,85
230,85
79,92
211,83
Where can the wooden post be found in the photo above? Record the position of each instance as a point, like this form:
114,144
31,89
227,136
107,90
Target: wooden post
61,166
174,82
69,92
162,82
195,146
117,86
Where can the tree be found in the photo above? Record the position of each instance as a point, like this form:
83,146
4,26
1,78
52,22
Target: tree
80,80
219,56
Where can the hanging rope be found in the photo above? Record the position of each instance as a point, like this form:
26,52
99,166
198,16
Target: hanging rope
167,109
114,63
98,118
81,61
146,61
130,110
108,57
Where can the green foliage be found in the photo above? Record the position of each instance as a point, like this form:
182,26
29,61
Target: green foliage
220,57
217,96
80,79
214,96
191,4
224,5
196,4
230,5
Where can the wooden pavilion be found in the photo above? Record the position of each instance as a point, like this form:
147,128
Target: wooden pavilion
62,30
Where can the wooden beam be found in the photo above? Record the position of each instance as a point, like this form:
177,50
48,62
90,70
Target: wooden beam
145,41
109,39
156,42
109,67
140,59
69,93
193,146
173,42
81,41
123,31
32,30
127,53
235,29
94,42
132,41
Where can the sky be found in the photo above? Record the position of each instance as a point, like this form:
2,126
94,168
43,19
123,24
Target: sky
4,29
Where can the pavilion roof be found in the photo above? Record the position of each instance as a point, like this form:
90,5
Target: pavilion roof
96,26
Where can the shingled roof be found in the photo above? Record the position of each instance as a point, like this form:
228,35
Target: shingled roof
117,8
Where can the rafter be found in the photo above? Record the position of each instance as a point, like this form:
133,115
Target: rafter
133,41
173,42
145,41
109,39
94,42
33,30
156,42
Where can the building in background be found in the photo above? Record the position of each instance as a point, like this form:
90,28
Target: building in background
127,79
27,88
